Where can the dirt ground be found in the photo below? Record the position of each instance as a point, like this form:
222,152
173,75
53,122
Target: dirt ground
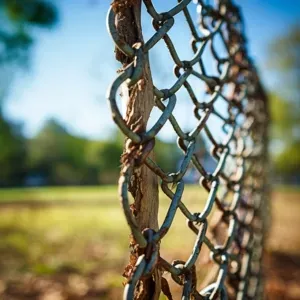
282,273
282,260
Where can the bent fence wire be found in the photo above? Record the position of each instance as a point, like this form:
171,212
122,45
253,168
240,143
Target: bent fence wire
236,189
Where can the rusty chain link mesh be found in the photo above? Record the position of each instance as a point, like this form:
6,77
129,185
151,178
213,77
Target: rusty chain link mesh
236,190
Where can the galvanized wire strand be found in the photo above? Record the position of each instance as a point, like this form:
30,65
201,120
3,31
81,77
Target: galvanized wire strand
241,157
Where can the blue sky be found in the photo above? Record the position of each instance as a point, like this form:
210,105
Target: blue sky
73,64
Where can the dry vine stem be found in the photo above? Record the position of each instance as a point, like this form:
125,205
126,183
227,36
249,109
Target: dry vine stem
143,183
231,225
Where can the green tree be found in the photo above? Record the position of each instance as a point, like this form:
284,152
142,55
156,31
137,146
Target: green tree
104,158
12,153
285,58
17,19
163,158
285,102
57,155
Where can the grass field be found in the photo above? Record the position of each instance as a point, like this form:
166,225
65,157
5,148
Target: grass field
72,243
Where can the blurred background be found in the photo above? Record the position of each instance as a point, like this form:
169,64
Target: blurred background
62,233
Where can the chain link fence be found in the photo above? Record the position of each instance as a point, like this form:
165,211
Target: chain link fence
232,224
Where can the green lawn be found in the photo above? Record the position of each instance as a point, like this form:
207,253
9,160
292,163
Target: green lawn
77,193
53,232
77,230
